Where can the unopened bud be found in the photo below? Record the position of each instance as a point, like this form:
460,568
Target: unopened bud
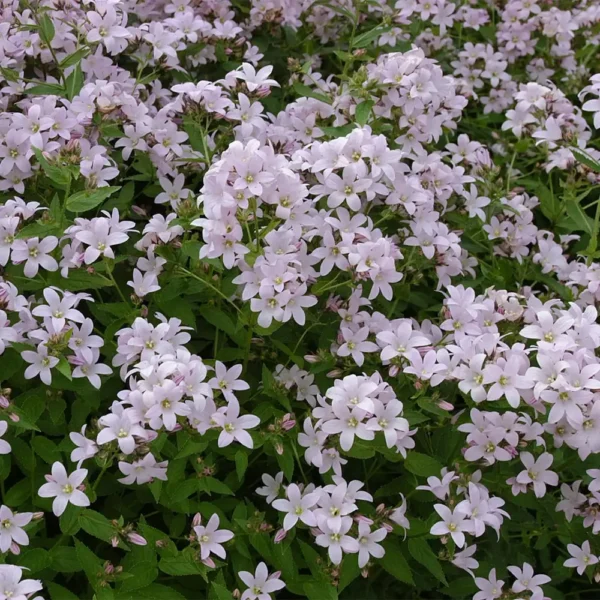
4,403
380,509
275,575
363,519
364,573
114,541
109,568
394,370
37,516
335,373
279,449
136,538
209,562
280,536
197,520
236,593
445,405
14,548
313,359
138,210
14,418
388,527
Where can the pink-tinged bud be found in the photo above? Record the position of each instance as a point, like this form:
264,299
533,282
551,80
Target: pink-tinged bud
138,210
335,373
81,487
4,403
236,593
239,42
14,418
315,531
144,311
91,270
512,451
109,568
456,416
380,509
288,425
445,405
197,520
49,478
597,577
312,359
37,516
262,92
280,536
114,541
275,575
209,562
394,370
228,51
388,527
178,427
279,449
73,144
137,539
161,543
264,527
444,539
14,548
363,519
418,385
364,573
46,156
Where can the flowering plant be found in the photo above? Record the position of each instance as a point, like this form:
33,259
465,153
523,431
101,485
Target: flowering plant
297,299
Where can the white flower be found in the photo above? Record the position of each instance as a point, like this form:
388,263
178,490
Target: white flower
464,559
63,488
11,586
272,486
297,507
210,538
4,445
335,539
367,543
453,523
11,528
40,365
581,557
536,472
260,585
234,427
143,470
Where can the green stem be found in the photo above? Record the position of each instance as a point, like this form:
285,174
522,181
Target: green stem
112,279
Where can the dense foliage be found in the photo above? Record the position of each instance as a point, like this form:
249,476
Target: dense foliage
297,299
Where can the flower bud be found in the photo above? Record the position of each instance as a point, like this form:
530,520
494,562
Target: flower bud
312,359
280,536
14,548
197,520
109,568
209,562
388,527
114,541
279,448
335,373
4,403
14,418
394,370
275,575
37,516
445,405
136,538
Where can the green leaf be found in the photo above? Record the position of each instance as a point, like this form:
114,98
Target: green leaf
219,319
144,573
46,449
395,564
58,592
419,549
69,520
9,74
74,58
18,494
46,27
155,591
36,559
422,465
580,220
64,559
88,199
241,464
74,82
96,524
363,112
221,592
304,90
320,591
364,39
46,89
210,484
584,158
90,562
64,367
61,177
